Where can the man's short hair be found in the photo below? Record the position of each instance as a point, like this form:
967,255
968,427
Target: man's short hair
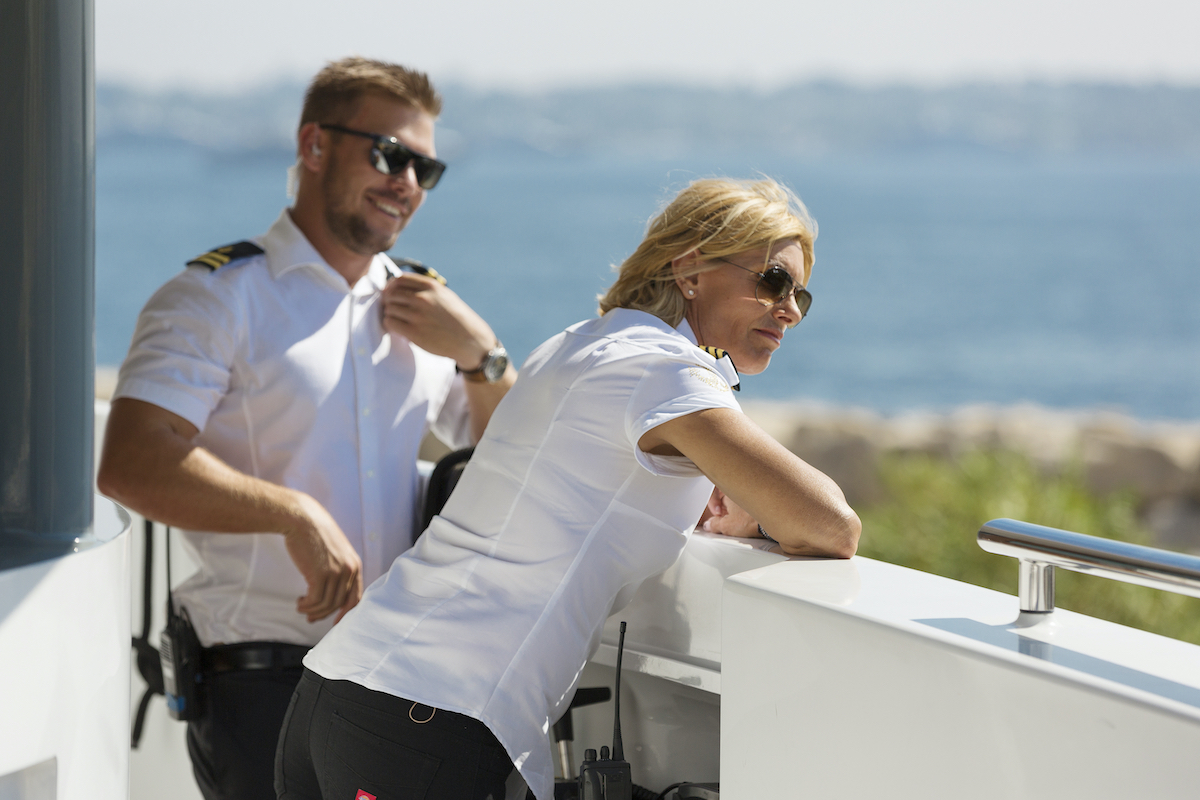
334,94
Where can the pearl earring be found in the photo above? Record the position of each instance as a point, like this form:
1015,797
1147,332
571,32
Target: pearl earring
691,292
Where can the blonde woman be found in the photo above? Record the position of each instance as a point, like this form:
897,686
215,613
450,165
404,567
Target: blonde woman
590,476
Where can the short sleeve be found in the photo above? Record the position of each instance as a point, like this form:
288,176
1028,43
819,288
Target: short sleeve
183,347
668,389
453,424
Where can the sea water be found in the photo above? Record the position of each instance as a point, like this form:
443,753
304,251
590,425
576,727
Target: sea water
942,279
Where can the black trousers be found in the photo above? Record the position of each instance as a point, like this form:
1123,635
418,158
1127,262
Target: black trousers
342,741
232,745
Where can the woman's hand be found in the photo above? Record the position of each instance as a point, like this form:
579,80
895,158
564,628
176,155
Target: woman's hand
728,518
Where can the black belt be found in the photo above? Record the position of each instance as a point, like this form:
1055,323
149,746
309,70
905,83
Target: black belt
246,656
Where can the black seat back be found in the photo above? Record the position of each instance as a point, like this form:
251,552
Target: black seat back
441,484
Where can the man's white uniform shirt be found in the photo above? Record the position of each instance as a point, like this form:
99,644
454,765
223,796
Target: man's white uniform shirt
289,376
495,610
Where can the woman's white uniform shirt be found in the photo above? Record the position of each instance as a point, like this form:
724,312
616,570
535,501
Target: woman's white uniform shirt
496,608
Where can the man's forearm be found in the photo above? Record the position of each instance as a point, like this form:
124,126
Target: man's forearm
150,464
482,399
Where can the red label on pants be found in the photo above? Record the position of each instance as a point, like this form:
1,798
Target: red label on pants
364,795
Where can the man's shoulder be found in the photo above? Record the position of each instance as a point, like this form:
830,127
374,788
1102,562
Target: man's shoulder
228,255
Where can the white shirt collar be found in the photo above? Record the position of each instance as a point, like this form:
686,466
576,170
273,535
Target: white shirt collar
684,328
288,249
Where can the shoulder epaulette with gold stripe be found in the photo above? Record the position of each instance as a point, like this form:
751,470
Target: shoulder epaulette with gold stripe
723,359
215,259
412,265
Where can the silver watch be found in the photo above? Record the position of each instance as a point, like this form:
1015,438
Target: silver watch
494,365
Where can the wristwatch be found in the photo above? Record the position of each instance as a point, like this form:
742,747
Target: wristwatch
494,365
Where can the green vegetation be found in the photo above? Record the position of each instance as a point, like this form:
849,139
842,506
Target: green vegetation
938,505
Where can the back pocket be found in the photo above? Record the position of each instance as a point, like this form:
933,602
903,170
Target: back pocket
356,759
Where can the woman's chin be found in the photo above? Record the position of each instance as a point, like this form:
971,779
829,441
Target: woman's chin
755,367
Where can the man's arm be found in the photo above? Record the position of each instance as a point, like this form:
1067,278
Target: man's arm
151,464
799,505
437,320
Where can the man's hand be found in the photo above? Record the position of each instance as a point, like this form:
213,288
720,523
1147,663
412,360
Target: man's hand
728,518
331,568
436,319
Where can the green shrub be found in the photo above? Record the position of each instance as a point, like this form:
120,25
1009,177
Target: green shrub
937,506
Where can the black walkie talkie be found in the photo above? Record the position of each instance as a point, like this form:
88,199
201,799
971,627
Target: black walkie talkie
607,778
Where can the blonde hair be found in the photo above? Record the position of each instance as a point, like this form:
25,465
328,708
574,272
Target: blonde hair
716,217
334,94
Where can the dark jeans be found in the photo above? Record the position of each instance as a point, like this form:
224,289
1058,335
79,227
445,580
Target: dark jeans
341,740
233,744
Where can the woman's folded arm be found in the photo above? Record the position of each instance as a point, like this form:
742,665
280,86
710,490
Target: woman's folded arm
800,506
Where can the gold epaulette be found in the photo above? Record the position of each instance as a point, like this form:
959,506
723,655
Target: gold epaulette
215,259
729,369
412,265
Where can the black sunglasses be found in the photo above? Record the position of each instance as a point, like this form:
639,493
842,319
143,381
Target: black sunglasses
774,285
391,158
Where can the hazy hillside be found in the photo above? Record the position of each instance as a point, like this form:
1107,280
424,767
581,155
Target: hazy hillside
668,120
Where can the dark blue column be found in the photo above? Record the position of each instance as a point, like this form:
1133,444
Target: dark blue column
47,276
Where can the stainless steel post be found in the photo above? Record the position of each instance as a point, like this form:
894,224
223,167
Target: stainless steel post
47,283
1035,587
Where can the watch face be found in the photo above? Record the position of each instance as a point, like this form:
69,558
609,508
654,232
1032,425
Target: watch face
495,365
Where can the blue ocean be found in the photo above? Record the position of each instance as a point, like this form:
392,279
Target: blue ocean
942,278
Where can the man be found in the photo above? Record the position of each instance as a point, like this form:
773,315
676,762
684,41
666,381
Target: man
273,401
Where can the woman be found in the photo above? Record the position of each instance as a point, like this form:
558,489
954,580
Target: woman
591,474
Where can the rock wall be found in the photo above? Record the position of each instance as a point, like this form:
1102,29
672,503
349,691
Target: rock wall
1159,462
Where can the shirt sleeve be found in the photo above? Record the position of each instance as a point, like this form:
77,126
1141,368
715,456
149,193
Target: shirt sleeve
668,389
453,424
183,348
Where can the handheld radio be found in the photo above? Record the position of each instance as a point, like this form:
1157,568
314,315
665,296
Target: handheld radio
606,778
179,653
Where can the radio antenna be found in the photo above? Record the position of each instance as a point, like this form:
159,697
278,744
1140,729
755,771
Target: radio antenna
618,752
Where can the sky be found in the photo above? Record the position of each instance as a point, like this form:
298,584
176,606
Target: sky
227,45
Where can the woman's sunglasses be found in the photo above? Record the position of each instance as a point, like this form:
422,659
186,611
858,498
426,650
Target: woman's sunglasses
391,158
774,285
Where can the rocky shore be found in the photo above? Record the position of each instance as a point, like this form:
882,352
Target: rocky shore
1158,461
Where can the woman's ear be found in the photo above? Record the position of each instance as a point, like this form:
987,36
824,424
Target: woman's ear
680,267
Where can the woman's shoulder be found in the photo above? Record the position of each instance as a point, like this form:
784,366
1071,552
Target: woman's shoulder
637,330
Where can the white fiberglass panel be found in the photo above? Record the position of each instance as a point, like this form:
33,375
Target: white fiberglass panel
909,685
64,672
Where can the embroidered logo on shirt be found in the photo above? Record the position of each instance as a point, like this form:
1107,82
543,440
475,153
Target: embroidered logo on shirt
215,259
364,795
709,378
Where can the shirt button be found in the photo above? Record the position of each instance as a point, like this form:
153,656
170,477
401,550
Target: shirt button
370,473
366,412
362,351
373,536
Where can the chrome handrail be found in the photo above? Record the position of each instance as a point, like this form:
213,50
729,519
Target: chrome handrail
1041,549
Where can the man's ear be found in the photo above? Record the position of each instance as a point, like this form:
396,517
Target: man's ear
680,267
308,146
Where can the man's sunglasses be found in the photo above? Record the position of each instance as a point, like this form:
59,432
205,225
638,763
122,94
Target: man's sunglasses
391,158
774,285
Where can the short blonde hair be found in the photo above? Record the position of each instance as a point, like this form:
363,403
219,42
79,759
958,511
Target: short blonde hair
716,217
334,94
